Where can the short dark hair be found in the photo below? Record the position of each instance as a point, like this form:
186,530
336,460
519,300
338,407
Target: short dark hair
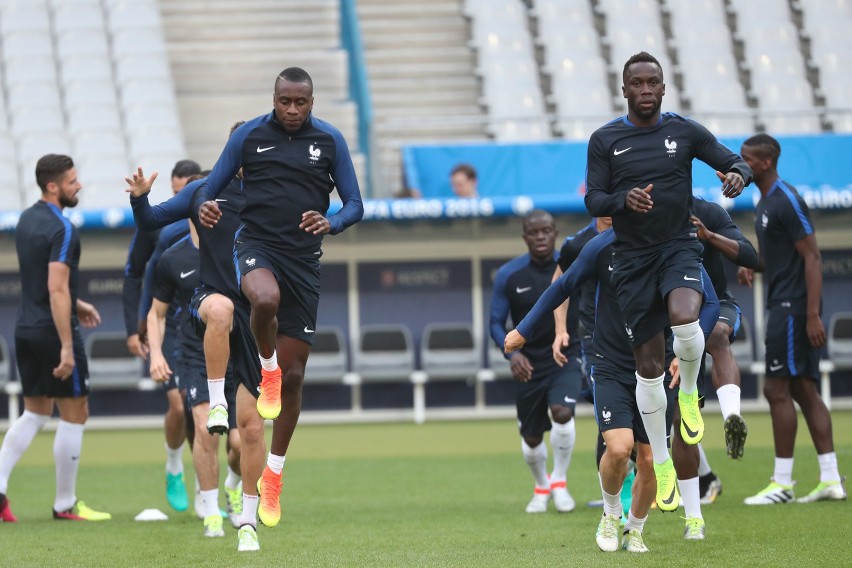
465,169
296,75
236,125
641,57
766,146
50,168
185,168
537,214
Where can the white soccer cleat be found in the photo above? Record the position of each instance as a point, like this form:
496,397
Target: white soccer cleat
825,491
607,535
632,541
247,537
773,494
562,500
538,503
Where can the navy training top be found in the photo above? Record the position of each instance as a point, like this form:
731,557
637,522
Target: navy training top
622,156
284,175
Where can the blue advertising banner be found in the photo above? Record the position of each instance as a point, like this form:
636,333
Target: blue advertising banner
514,178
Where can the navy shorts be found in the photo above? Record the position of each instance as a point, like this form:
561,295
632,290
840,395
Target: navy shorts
559,386
788,350
37,351
643,282
729,313
615,401
298,279
194,379
244,363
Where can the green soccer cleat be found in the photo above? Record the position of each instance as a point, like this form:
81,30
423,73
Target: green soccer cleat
691,423
607,535
217,420
213,526
668,497
627,492
247,538
81,512
632,541
176,492
234,500
694,528
735,436
773,494
825,491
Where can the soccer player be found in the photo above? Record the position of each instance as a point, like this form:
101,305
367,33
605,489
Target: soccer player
720,237
639,171
542,384
176,278
614,382
49,349
791,262
142,252
217,296
291,161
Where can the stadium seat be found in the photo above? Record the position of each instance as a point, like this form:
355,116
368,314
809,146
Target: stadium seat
93,118
327,362
80,17
73,42
449,351
38,68
111,365
24,17
79,70
384,352
840,340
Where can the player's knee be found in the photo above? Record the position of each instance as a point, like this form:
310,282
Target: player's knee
618,450
533,441
776,391
219,315
251,430
718,341
561,414
265,302
292,379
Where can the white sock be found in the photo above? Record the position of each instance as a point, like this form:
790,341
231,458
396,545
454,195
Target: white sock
233,479
689,347
275,463
67,445
270,364
729,400
828,467
612,504
562,437
18,438
783,471
690,496
210,502
703,464
249,516
635,523
216,388
536,459
174,459
652,403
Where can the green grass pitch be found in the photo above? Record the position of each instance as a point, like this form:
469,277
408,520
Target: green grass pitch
438,494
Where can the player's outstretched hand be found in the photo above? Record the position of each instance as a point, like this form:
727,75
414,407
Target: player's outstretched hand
703,232
639,199
732,183
315,223
209,214
137,184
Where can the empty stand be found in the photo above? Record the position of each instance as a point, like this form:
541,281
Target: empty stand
449,351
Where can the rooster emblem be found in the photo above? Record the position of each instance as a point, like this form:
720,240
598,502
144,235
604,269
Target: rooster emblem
315,153
671,146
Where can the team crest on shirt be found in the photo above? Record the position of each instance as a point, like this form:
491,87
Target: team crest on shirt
671,147
193,393
764,220
314,152
606,415
629,332
250,262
